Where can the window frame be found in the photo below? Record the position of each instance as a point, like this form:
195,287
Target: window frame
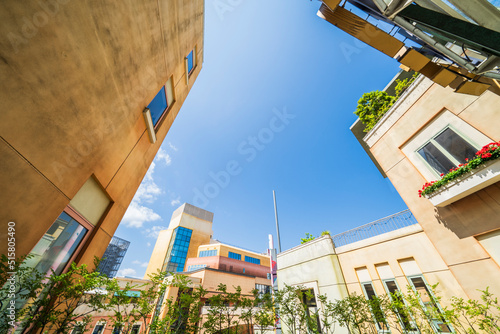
99,323
379,329
434,322
450,157
410,320
169,105
188,72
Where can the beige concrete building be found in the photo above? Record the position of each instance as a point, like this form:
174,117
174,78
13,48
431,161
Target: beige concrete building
90,91
375,259
428,131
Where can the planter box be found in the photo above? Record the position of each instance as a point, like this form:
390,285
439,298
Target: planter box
476,180
466,185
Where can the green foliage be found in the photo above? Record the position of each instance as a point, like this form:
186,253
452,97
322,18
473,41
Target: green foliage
309,237
487,153
373,105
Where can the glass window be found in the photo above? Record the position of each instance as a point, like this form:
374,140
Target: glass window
117,330
176,253
158,105
190,61
430,303
446,151
205,253
135,329
78,329
58,245
374,302
99,328
252,260
311,307
235,256
403,316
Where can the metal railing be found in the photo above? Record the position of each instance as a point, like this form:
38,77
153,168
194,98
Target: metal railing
378,227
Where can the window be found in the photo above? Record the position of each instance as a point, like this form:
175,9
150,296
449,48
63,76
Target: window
205,253
99,328
404,318
117,330
59,245
190,64
196,267
135,329
430,303
235,256
446,151
309,300
252,260
376,310
177,250
262,288
161,103
78,329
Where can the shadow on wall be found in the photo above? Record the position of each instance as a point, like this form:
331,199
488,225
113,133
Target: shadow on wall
475,214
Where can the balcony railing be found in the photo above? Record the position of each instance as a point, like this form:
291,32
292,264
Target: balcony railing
378,227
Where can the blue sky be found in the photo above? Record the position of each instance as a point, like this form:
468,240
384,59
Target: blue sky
271,109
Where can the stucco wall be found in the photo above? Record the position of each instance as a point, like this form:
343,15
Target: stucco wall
451,229
79,76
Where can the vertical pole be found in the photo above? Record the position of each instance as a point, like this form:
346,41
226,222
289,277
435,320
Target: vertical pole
277,225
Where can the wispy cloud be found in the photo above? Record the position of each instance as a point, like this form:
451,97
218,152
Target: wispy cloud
153,231
172,147
162,155
142,264
175,201
126,272
137,214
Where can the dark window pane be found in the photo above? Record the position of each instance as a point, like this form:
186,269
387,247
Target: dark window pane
158,105
436,159
391,286
456,145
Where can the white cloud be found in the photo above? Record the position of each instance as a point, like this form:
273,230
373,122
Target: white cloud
153,231
148,244
137,214
172,146
176,201
162,155
142,264
126,272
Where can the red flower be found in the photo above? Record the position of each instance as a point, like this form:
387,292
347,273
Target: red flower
442,174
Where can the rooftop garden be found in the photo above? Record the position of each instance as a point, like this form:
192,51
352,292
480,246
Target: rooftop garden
373,105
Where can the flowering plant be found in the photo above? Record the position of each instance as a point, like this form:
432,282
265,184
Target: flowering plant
487,153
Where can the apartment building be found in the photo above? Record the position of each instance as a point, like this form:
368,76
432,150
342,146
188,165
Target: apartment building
90,92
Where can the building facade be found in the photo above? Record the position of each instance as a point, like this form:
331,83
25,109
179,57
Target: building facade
428,131
113,257
92,90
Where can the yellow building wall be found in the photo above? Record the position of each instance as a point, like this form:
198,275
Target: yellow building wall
223,250
72,106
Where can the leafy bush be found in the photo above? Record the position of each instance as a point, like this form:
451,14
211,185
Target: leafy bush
373,105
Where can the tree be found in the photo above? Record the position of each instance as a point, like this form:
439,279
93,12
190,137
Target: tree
264,316
372,106
59,297
291,310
